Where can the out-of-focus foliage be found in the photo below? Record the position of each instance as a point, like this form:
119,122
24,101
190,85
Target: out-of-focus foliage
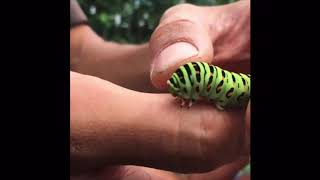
131,21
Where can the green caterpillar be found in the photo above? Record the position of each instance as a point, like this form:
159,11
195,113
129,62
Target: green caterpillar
199,80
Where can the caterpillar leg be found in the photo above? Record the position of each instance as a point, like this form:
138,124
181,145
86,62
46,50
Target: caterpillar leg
219,107
190,103
183,102
178,99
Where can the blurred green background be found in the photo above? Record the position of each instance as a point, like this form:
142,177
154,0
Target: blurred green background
131,21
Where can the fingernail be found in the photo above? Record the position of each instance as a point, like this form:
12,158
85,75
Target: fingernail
172,55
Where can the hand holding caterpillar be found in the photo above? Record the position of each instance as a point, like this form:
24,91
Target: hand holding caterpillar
199,80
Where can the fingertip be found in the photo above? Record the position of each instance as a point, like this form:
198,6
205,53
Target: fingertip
168,60
174,44
173,54
159,78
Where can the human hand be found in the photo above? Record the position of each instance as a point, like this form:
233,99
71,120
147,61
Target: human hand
112,126
130,131
226,172
218,35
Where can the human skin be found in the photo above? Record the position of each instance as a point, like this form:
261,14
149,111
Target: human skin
119,116
114,125
217,35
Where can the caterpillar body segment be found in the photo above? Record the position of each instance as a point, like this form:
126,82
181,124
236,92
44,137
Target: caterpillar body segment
199,80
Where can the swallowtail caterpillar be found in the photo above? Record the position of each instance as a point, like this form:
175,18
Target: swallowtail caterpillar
199,80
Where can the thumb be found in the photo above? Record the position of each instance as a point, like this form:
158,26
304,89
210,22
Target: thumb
180,38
